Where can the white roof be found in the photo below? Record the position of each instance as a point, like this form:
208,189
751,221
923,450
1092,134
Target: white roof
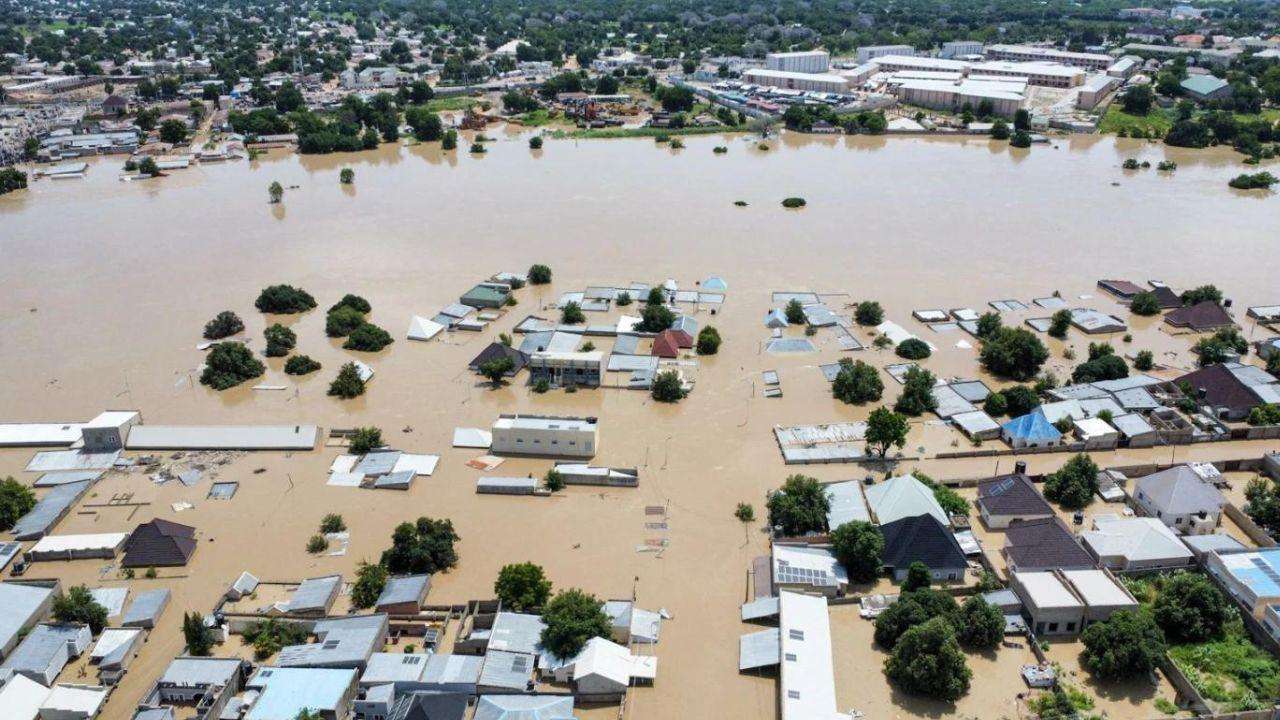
17,434
543,423
113,639
610,660
1031,68
113,418
1094,427
807,563
921,62
903,496
1098,588
421,328
64,543
788,75
1045,590
76,698
808,680
22,697
1135,539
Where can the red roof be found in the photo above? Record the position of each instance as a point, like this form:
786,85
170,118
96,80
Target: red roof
1205,315
667,344
683,339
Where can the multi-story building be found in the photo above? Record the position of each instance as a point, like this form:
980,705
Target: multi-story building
957,48
807,61
545,436
561,369
1028,53
874,51
1039,74
808,82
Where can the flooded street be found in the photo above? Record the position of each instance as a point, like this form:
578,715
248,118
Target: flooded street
106,285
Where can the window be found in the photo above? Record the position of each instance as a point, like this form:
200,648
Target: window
793,694
791,657
1071,627
1053,627
796,634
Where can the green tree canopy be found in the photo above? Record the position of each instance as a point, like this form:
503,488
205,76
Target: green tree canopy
857,382
78,606
886,429
1126,645
980,625
522,587
284,300
371,580
228,364
859,546
1190,609
1073,485
917,393
1013,353
799,507
425,546
347,384
16,500
572,618
927,660
224,324
365,439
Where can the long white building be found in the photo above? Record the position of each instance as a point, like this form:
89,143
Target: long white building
1036,73
874,51
956,48
1006,97
546,436
805,61
809,82
1028,53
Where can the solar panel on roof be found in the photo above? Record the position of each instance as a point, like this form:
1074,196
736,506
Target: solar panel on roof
1266,569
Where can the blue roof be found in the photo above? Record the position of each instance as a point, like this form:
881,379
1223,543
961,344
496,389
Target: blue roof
1203,84
1032,426
1259,571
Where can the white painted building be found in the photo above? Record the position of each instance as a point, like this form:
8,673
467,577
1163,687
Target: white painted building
807,61
809,82
874,51
545,436
957,48
1028,53
108,431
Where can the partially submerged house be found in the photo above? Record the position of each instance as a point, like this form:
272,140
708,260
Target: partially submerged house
603,670
1250,576
1065,602
345,642
1137,543
22,605
921,538
1007,499
807,569
901,497
1229,391
403,595
284,692
497,351
1045,544
1030,430
46,650
542,435
314,596
1204,316
159,543
115,650
1181,499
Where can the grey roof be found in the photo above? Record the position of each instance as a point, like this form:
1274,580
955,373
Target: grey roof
1180,491
971,390
51,508
760,649
626,345
62,478
453,669
394,667
535,341
457,310
200,671
516,632
124,640
524,707
1045,544
1012,495
847,504
789,345
146,608
344,642
504,669
314,594
1131,425
631,363
1136,399
950,403
395,480
563,342
42,648
1200,544
377,463
409,588
19,604
163,713
760,608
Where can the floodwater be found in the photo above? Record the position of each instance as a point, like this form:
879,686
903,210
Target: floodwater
106,286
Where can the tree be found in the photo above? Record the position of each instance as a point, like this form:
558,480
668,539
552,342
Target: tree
1145,303
858,546
300,365
371,580
332,523
799,507
655,317
745,512
16,500
868,312
1222,346
1190,609
426,124
571,314
284,300
1144,361
918,577
553,480
423,547
913,349
927,660
886,429
78,606
347,176
275,191
368,338
522,587
980,624
341,321
199,637
496,369
348,383
857,383
1013,352
572,618
280,340
1000,130
1020,139
365,439
988,324
539,275
1021,119
1060,323
1126,645
1137,100
917,393
708,341
317,544
1073,485
676,98
795,312
535,142
173,131
352,302
667,387
224,324
147,167
228,364
912,608
1262,503
1020,400
995,405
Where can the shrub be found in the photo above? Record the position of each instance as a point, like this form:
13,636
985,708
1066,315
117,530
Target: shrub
571,314
541,385
365,439
1127,645
667,387
539,275
229,364
1013,352
857,382
745,512
1020,139
317,544
553,480
535,142
332,523
708,341
280,340
371,580
522,587
450,140
869,312
16,500
799,507
284,300
425,546
1144,361
795,312
623,299
478,149
347,176
572,618
1255,181
858,546
300,365
1073,485
368,338
355,302
913,349
224,324
1060,323
1145,303
78,606
268,636
1265,414
793,202
347,384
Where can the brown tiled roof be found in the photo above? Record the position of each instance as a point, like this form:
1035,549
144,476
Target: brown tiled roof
1221,388
159,543
1044,545
1012,495
1206,315
1123,288
666,344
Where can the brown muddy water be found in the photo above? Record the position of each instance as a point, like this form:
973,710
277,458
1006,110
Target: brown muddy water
106,286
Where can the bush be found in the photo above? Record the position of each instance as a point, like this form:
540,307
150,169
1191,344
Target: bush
572,618
1020,139
571,314
918,577
988,324
980,625
1106,367
799,507
78,606
368,338
1127,645
284,300
1145,303
708,341
869,312
913,349
1265,414
917,393
793,202
655,318
280,340
365,439
450,140
535,142
354,302
1144,361
553,480
224,324
342,320
623,299
229,364
1073,485
268,636
1059,324
745,512
857,383
422,547
16,500
332,523
667,387
300,365
347,176
371,580
927,660
1020,400
522,587
1190,609
995,405
858,546
1255,181
1013,352
1195,296
539,275
317,544
347,384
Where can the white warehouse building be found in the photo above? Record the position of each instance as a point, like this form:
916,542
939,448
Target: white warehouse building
1028,53
870,52
1006,97
546,436
808,82
807,61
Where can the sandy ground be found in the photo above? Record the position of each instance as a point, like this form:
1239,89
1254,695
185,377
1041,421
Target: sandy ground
107,284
